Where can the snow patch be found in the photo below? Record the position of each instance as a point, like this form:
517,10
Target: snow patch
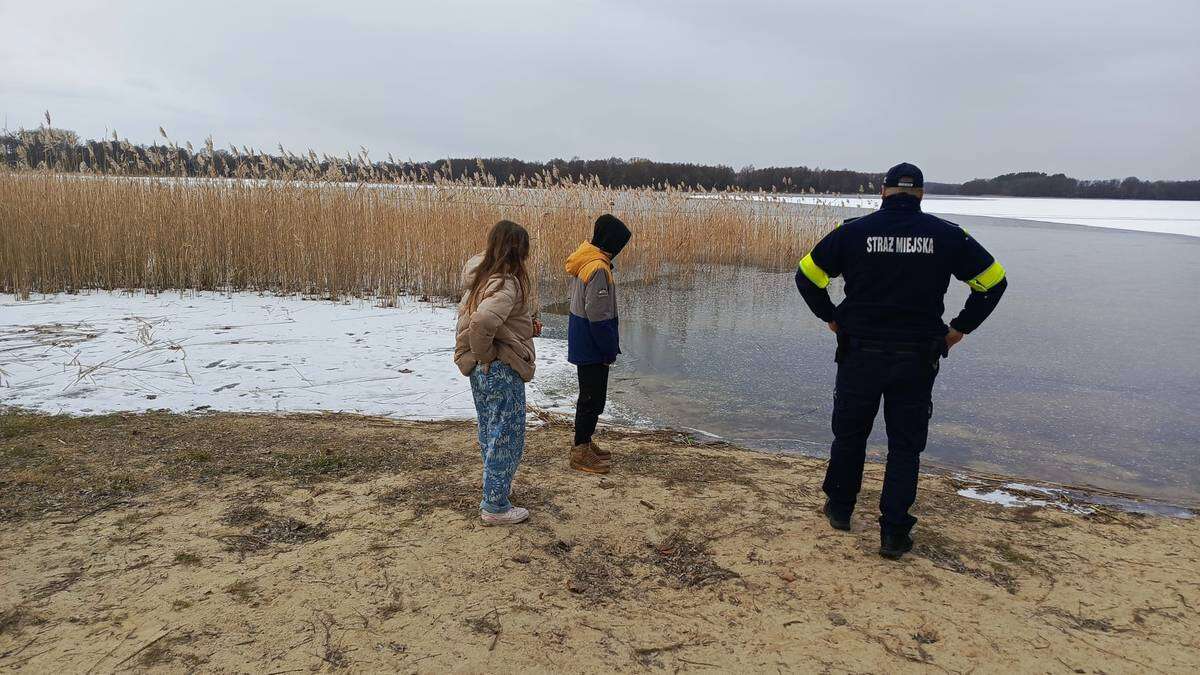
1005,499
1142,215
99,353
1017,495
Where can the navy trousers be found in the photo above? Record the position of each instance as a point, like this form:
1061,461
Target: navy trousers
905,383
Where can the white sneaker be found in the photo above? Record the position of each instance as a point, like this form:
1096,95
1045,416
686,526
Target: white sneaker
512,516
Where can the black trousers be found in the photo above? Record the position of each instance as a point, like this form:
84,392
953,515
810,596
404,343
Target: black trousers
905,382
593,394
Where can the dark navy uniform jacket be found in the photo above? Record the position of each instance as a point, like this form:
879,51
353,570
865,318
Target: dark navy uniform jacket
897,263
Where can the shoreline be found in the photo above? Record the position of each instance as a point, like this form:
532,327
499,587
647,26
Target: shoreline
1009,490
102,352
270,542
1020,485
1022,488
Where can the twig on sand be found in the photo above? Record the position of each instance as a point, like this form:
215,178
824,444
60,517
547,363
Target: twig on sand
93,512
642,651
501,539
115,647
1097,647
333,654
923,657
27,658
732,532
144,647
1070,667
496,629
14,652
289,650
646,656
488,623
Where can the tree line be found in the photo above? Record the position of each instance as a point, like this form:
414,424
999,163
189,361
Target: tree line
1036,184
62,150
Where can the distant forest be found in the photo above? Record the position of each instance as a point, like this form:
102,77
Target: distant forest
63,150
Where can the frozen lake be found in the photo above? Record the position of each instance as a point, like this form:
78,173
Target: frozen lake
1169,217
1087,373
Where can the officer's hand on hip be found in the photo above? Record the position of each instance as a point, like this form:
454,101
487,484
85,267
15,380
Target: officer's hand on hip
833,326
953,337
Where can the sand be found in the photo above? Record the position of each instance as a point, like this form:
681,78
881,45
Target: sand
276,544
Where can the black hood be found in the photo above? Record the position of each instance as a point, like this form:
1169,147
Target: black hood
610,235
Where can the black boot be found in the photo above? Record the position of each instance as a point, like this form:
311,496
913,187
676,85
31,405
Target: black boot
836,520
894,545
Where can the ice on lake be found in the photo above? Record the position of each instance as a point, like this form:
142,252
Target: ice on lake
106,352
1168,217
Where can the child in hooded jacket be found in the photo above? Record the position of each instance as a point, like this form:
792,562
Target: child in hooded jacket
593,337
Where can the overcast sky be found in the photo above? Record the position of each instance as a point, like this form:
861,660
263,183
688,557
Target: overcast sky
964,89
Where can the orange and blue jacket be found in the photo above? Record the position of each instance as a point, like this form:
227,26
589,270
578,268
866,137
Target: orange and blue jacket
592,334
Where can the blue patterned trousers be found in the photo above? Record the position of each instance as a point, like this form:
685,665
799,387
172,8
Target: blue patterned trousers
500,406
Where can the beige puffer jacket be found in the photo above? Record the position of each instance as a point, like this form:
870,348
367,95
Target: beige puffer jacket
500,328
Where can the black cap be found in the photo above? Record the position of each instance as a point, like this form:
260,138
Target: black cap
904,175
610,234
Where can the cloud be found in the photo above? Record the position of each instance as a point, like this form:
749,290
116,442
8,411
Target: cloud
965,89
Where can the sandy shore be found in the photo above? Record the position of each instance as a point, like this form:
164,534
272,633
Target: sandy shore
249,543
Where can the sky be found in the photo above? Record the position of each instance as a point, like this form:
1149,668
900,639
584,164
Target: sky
1094,89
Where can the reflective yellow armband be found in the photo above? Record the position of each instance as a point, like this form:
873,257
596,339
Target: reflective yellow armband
987,279
814,272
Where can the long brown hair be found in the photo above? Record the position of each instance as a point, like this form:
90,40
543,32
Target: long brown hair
507,250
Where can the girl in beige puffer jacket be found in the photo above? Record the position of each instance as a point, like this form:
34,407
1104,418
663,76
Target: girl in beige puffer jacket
494,347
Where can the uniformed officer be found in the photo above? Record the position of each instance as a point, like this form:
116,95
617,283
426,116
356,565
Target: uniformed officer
897,263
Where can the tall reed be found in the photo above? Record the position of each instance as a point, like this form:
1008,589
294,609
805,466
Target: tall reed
303,230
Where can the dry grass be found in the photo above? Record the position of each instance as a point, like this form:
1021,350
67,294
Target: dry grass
297,229
38,473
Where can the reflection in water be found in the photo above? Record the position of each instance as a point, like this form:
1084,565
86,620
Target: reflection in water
1086,374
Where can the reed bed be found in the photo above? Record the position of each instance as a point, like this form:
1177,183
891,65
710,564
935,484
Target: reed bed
303,233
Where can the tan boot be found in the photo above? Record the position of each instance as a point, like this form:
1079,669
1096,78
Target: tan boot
583,458
603,454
